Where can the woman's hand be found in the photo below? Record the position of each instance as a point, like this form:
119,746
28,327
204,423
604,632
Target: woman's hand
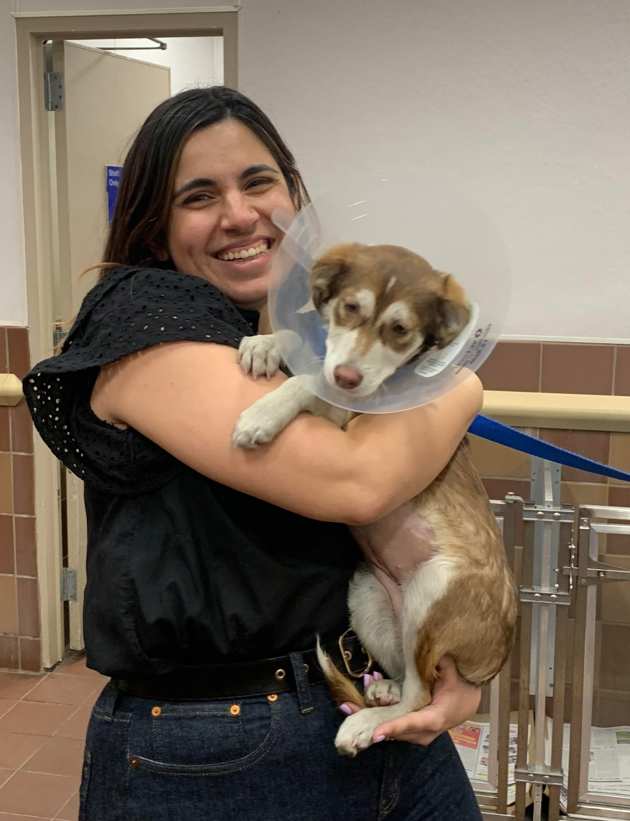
454,701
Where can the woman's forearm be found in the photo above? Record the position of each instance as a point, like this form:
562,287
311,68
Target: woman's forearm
398,455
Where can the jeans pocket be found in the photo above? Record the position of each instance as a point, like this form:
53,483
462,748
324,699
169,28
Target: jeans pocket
85,785
203,738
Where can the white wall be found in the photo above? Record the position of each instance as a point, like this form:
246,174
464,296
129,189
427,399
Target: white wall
12,277
193,61
524,104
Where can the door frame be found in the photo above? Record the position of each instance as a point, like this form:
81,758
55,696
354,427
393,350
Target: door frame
32,29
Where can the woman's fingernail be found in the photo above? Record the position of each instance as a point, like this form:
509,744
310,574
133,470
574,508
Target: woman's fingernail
380,738
366,680
378,676
345,709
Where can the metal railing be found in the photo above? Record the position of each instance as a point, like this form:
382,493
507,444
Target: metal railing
554,576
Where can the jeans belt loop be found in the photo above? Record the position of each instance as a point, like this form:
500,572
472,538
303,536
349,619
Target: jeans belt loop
304,692
109,699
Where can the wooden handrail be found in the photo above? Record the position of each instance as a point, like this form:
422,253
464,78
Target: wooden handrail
572,411
10,389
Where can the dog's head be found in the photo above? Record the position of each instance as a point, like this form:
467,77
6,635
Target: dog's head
383,306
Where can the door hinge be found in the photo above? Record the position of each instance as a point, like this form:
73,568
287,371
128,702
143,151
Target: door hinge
68,584
53,90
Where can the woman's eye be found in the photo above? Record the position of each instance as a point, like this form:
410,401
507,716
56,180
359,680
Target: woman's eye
399,329
201,197
259,181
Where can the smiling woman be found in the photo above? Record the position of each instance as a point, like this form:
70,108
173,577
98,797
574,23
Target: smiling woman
211,570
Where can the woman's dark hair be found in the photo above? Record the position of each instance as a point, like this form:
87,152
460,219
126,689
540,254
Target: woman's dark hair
138,232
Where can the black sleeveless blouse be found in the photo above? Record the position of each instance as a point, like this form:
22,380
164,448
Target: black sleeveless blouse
181,570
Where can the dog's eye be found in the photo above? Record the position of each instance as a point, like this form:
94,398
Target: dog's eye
399,329
351,307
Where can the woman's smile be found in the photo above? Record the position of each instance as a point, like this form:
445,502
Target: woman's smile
249,257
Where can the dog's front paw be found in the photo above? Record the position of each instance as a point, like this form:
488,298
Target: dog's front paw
355,734
256,426
382,693
259,355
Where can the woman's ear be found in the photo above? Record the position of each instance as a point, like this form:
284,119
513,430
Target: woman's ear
328,273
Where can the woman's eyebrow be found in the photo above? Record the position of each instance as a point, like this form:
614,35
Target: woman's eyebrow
206,182
256,169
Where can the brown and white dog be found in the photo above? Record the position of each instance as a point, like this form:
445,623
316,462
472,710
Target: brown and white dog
383,306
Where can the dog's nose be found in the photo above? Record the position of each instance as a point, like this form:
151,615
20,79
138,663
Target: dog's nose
347,378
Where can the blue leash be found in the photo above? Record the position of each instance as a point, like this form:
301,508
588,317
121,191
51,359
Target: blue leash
504,435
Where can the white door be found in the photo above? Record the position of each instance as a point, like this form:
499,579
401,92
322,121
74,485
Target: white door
106,97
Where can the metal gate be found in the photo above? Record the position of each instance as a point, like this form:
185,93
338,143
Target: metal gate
554,551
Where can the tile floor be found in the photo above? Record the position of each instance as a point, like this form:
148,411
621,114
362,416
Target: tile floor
43,719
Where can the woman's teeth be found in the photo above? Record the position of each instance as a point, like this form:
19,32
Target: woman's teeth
245,253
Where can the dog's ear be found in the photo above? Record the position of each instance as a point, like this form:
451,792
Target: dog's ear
452,314
329,272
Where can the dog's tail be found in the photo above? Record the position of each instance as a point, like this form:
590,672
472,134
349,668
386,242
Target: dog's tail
340,687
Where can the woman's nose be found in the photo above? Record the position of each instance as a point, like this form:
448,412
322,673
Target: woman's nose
238,212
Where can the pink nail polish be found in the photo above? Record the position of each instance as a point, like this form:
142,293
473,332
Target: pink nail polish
366,680
345,709
380,738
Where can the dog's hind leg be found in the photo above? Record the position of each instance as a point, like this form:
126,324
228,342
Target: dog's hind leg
427,585
374,620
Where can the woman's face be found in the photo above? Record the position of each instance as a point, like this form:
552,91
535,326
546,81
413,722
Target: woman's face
227,186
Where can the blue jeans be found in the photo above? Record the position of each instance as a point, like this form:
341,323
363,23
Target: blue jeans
258,759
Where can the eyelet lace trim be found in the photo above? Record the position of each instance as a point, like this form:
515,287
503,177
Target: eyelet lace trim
130,310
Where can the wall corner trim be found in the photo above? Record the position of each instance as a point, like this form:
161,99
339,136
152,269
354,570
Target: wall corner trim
10,389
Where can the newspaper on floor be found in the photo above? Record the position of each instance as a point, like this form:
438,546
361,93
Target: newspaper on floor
609,760
472,740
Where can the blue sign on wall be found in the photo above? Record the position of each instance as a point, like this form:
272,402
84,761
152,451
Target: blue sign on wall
112,183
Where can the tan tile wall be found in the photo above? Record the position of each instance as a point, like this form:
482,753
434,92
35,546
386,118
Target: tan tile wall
19,603
574,368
